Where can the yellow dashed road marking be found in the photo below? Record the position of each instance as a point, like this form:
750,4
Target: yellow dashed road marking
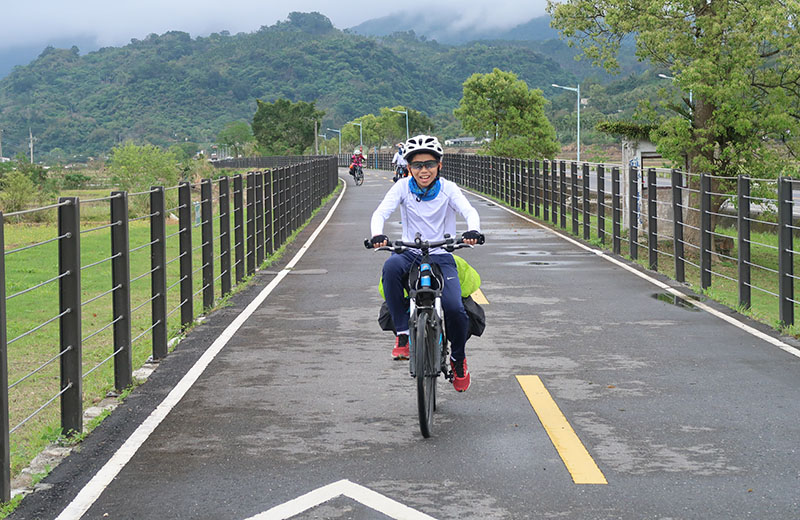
570,448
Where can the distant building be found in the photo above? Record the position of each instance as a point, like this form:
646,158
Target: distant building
5,159
460,141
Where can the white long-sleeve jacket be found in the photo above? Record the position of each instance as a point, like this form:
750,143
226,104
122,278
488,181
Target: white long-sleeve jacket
431,218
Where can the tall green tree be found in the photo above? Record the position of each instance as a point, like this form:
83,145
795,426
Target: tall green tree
235,136
137,167
500,106
285,128
737,64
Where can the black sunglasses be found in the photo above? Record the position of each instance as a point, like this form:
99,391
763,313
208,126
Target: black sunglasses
418,165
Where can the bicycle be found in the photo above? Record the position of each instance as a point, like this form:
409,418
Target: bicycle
399,173
358,175
430,350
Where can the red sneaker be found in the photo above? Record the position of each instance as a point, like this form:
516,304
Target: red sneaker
401,350
461,377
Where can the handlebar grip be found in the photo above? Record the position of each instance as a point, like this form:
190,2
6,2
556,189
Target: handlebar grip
367,243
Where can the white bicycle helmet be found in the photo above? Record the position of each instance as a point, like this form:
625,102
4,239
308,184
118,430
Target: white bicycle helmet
423,143
357,152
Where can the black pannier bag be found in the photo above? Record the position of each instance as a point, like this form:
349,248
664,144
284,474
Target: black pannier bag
475,313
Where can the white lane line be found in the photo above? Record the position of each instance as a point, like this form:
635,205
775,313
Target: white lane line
365,496
730,319
92,490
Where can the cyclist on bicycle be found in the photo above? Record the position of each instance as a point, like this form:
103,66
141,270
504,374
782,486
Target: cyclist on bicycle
428,205
399,163
356,160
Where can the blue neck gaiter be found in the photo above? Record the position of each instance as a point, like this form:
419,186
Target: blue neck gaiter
428,193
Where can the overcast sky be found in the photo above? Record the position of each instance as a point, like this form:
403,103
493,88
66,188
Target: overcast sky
115,22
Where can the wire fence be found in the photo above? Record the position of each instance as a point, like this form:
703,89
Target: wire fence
74,299
733,237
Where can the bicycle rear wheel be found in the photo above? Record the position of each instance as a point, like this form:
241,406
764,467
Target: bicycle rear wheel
427,371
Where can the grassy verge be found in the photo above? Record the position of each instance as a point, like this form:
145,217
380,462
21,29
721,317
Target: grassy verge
39,350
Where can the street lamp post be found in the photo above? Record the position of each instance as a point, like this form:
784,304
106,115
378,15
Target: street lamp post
360,135
691,107
406,113
578,91
340,138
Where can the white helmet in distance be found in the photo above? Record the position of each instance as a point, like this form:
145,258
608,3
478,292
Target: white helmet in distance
423,143
357,152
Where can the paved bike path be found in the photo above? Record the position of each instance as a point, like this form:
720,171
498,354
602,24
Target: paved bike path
686,416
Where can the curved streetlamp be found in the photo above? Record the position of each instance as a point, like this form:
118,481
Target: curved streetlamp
402,112
578,90
340,138
360,136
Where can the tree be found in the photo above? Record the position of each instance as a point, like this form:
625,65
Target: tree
235,135
737,63
285,128
502,107
136,168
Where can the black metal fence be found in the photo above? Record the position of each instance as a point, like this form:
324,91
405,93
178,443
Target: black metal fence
242,220
735,232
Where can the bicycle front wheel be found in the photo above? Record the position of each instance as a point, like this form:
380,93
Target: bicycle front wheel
359,177
427,371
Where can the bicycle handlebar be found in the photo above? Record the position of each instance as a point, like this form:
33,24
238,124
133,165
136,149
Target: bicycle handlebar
450,244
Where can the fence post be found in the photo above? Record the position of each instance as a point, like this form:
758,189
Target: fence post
259,209
251,223
268,213
705,231
785,254
616,212
546,194
537,189
586,201
121,297
652,219
207,238
743,239
677,221
224,236
573,192
601,203
158,266
238,226
69,292
5,450
633,214
563,204
185,250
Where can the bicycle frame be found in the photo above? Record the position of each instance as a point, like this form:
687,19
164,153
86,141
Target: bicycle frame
425,303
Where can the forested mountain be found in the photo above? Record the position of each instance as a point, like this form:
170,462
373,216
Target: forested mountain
170,87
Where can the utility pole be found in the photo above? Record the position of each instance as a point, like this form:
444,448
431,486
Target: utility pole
1,143
30,132
316,141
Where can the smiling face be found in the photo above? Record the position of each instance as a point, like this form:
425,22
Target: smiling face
424,176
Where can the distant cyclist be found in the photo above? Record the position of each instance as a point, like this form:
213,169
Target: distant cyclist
356,160
428,205
399,163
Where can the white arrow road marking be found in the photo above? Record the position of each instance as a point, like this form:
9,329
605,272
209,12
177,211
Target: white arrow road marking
365,496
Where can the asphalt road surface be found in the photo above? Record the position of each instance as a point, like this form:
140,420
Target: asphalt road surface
594,396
